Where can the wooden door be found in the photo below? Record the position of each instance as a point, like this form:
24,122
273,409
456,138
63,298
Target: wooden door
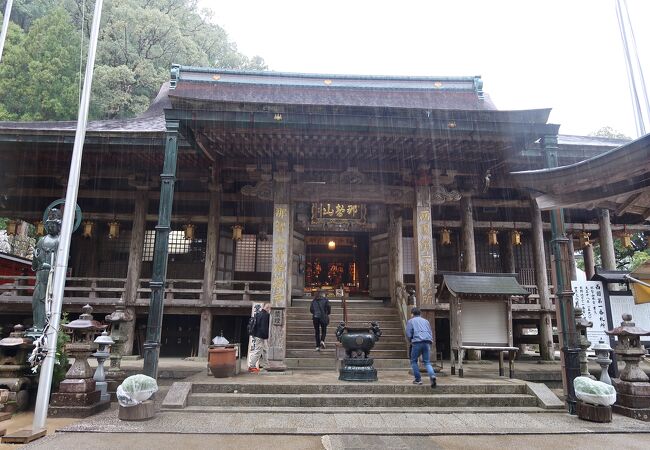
225,257
378,257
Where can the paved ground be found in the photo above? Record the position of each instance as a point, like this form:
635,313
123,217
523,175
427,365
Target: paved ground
177,430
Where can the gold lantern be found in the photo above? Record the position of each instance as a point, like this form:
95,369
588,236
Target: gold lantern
12,227
445,236
515,237
492,237
331,245
237,232
627,239
89,226
583,238
188,230
113,229
40,228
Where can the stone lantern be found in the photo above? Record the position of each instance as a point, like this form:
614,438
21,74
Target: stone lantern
119,334
104,343
581,328
14,368
78,395
632,388
603,350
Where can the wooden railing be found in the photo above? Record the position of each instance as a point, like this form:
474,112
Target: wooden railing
178,292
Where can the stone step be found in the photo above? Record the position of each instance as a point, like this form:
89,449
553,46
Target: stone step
352,317
309,327
327,362
426,398
329,353
311,344
353,410
352,388
309,334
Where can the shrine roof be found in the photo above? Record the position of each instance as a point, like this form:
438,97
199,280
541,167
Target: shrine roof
492,284
610,276
219,85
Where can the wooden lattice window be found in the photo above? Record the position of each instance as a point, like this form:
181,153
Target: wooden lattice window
264,257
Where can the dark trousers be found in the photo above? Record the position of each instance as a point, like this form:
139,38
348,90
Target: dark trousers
320,330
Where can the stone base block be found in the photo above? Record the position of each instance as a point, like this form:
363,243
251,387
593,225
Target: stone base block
593,413
78,411
23,436
65,399
144,411
631,387
633,401
635,413
77,386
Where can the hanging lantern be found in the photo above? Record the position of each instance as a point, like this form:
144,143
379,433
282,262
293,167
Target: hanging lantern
188,230
40,228
515,237
492,237
445,236
627,239
113,229
89,227
237,232
331,245
12,227
583,238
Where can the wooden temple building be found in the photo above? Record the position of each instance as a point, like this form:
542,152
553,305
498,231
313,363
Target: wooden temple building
267,186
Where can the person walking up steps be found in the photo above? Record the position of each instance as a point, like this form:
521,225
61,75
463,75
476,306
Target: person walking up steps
419,334
320,311
260,336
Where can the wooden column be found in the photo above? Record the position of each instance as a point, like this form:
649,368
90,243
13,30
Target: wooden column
136,249
607,254
467,234
210,268
424,257
280,272
546,349
572,259
590,265
395,251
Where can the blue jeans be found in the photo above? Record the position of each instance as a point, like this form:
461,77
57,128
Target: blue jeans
417,349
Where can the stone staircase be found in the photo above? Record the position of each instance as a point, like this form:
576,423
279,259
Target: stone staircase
390,352
356,397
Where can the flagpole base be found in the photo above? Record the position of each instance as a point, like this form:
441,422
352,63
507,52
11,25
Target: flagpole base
24,436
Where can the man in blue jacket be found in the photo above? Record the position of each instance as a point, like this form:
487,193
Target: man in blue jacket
419,334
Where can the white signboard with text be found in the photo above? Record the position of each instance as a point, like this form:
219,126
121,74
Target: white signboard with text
621,304
589,296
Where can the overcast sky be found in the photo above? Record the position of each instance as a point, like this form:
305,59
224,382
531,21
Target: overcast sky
562,54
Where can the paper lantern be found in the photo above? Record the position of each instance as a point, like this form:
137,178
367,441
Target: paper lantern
40,228
237,232
583,238
331,245
12,227
492,237
88,228
445,236
188,230
113,229
515,237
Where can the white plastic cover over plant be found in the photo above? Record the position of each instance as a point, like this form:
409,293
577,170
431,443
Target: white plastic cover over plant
594,392
135,390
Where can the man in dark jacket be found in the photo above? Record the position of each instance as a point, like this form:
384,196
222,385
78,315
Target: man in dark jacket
320,311
259,348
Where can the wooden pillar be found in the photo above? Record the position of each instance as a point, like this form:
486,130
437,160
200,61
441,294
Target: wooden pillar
507,254
546,349
590,264
136,249
395,251
572,259
467,234
424,257
210,268
468,248
280,272
607,254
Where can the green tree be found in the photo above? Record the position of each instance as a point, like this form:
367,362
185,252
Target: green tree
609,132
39,72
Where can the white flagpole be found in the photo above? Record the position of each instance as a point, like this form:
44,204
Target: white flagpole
45,380
5,26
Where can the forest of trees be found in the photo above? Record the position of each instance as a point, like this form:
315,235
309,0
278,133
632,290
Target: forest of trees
139,40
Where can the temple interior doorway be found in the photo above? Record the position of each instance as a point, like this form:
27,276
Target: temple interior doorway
337,261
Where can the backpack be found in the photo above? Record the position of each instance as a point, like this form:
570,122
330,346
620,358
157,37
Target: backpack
252,324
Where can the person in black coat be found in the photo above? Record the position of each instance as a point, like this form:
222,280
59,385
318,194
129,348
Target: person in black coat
320,311
260,335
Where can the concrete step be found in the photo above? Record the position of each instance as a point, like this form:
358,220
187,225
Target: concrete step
309,328
327,362
353,410
381,345
352,317
426,398
307,334
357,388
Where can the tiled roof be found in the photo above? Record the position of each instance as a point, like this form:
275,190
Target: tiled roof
483,284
